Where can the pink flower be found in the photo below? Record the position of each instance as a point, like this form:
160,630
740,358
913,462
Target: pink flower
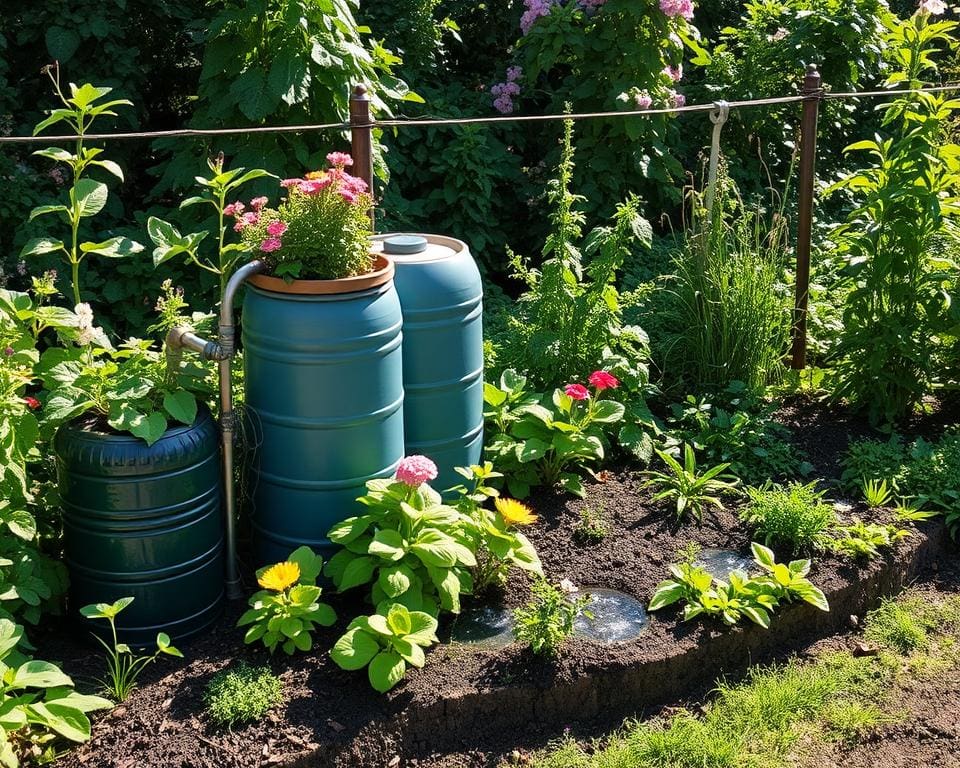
674,73
514,73
32,403
339,159
239,226
674,8
603,380
535,10
644,100
577,391
677,99
347,195
933,7
258,203
250,217
276,228
287,183
270,245
416,470
234,209
8,351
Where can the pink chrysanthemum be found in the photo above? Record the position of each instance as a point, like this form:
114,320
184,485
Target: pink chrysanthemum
234,209
674,8
276,228
339,160
577,391
270,244
258,203
416,470
602,380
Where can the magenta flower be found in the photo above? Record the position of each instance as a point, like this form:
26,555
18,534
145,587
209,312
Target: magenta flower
258,203
674,8
234,209
8,351
339,159
603,380
286,183
577,391
270,245
276,228
416,470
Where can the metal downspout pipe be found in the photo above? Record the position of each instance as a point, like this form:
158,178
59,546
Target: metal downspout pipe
222,351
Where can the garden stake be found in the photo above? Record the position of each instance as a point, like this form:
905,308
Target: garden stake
222,351
361,139
718,117
808,161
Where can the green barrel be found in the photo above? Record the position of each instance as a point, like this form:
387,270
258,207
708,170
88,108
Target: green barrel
441,295
144,522
323,387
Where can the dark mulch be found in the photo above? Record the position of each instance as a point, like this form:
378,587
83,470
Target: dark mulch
332,717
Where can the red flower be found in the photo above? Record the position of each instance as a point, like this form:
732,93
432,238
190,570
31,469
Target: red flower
603,380
32,403
577,391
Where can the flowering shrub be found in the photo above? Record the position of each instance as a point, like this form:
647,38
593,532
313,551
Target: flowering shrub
320,231
284,612
630,53
538,440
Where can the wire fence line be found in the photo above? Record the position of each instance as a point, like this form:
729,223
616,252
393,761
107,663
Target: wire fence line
491,120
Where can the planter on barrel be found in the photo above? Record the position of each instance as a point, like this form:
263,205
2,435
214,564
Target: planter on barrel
441,295
324,398
144,521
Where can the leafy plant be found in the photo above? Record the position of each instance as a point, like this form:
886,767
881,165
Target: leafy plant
910,510
537,441
386,644
545,623
873,460
38,701
242,694
894,317
133,388
741,596
498,544
863,541
734,427
794,517
593,527
123,665
87,197
320,231
409,546
727,310
216,189
690,490
877,493
284,612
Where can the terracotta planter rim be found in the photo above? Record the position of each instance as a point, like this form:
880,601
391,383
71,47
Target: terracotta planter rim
382,273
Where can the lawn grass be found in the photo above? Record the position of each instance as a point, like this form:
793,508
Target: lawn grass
755,723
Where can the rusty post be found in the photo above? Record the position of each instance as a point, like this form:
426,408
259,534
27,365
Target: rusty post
361,137
808,166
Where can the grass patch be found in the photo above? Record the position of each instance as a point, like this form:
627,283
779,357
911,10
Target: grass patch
758,722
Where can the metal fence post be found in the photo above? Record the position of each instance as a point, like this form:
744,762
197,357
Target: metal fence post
808,165
361,137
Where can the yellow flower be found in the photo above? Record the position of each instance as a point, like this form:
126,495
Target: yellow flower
315,175
280,576
514,512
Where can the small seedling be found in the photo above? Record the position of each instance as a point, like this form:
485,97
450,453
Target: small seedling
910,510
592,528
878,493
242,695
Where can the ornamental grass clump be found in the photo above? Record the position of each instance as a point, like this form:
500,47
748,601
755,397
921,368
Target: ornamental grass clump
321,231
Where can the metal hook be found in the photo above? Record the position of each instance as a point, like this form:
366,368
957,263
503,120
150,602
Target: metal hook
718,116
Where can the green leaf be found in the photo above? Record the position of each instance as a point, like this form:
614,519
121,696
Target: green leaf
89,197
55,153
181,405
310,564
289,78
43,210
396,580
423,629
386,670
252,95
61,43
387,544
65,720
86,94
105,610
41,245
608,412
435,549
355,649
151,428
111,167
358,571
114,248
39,674
668,593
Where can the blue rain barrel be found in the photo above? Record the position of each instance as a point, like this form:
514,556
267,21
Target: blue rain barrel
144,522
442,299
323,384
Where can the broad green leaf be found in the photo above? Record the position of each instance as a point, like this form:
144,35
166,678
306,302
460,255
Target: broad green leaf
181,405
39,674
386,670
310,564
43,210
89,197
355,649
41,245
114,248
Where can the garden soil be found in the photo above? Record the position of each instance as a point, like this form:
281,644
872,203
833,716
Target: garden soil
332,717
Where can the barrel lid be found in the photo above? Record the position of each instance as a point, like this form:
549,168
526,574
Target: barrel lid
404,245
415,248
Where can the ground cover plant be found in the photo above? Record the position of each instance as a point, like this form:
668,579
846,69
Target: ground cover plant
235,696
794,518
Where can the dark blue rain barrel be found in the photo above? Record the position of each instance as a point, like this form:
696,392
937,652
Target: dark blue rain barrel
442,299
144,522
323,385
